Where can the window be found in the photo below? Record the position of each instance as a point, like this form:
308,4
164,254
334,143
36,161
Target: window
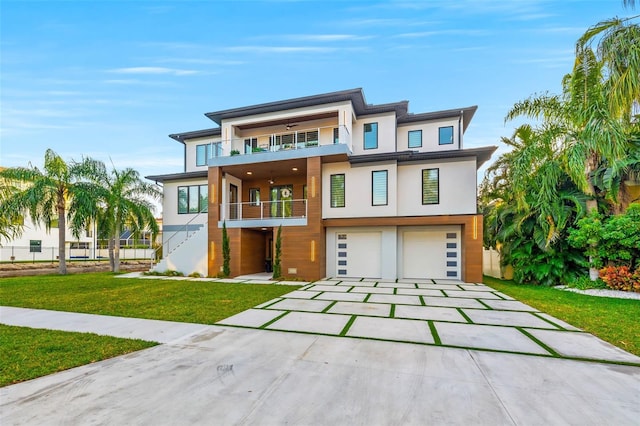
415,138
304,192
202,154
79,245
430,186
250,145
379,188
445,135
193,199
254,196
370,135
336,135
337,190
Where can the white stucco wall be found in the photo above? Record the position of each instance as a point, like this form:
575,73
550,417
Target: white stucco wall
457,188
170,214
386,133
190,153
430,135
358,188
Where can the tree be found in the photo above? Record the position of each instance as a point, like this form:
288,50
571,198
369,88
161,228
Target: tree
46,195
226,251
277,268
119,198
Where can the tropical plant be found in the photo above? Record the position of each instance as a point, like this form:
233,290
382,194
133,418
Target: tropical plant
50,195
277,268
119,198
226,252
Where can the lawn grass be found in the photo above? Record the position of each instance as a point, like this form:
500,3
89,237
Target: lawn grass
27,353
613,320
102,293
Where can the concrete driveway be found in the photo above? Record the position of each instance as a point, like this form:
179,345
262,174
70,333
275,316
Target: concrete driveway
369,353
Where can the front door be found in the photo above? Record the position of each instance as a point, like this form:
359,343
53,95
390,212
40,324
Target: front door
281,201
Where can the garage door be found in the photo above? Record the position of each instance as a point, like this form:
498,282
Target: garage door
358,254
431,253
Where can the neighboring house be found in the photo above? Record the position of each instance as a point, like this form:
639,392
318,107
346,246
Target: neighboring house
360,191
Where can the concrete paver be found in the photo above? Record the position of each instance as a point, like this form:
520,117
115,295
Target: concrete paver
310,353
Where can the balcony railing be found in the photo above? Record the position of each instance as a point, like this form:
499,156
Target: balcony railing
264,210
299,139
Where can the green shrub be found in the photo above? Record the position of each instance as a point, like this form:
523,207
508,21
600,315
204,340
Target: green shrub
584,283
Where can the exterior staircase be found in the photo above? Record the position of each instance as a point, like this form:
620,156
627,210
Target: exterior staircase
188,256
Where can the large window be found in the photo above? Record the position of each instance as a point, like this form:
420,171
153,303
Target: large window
430,186
445,135
379,188
254,196
337,190
370,135
193,199
415,138
203,152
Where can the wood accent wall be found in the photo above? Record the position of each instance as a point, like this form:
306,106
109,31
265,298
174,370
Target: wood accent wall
215,234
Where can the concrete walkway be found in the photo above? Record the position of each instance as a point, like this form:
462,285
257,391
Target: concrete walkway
368,353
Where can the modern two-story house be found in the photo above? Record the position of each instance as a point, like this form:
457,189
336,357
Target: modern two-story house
360,190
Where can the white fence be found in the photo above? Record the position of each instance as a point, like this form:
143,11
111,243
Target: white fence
50,254
491,265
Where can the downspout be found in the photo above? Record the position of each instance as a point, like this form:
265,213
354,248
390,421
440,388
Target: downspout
184,156
460,130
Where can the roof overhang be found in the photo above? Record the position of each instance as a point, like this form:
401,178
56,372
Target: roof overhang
482,155
466,113
181,137
178,176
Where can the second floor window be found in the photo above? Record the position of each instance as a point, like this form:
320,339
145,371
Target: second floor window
430,186
379,188
370,135
337,190
193,199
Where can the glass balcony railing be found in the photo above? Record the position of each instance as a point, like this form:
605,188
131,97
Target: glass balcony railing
272,142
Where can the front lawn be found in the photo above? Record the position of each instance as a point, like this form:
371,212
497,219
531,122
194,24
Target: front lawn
102,293
613,320
27,353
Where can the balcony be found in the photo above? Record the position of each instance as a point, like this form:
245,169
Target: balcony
279,142
264,214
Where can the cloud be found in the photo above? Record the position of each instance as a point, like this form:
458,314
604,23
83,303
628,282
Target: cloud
463,32
281,49
153,71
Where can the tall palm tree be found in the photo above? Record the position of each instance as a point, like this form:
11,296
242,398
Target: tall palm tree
45,195
123,198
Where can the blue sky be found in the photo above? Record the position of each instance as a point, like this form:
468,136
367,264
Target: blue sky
112,79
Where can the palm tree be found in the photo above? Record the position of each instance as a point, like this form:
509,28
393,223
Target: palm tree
123,200
45,195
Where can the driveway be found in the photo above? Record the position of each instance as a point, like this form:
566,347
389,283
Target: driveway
353,352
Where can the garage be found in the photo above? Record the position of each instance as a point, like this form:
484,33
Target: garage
431,252
358,254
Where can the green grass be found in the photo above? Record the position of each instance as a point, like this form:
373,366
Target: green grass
27,353
103,293
613,320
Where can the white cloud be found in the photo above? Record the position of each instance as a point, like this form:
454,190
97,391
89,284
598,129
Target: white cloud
152,71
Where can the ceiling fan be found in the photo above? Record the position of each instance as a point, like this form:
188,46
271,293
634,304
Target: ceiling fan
289,126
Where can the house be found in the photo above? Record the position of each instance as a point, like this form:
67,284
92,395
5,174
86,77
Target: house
360,190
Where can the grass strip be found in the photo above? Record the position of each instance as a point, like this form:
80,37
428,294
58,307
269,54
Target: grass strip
538,342
465,316
610,319
347,326
434,333
162,299
27,353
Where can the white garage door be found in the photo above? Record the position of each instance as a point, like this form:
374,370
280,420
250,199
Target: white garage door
358,254
431,253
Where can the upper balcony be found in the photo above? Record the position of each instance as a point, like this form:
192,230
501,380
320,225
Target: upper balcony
289,144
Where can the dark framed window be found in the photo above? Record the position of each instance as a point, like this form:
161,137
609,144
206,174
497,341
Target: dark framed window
430,186
193,199
415,138
254,196
202,154
370,135
337,190
336,135
445,135
379,187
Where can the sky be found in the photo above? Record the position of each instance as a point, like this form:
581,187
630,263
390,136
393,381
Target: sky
111,80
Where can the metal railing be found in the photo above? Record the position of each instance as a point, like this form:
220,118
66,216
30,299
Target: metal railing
187,231
262,210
